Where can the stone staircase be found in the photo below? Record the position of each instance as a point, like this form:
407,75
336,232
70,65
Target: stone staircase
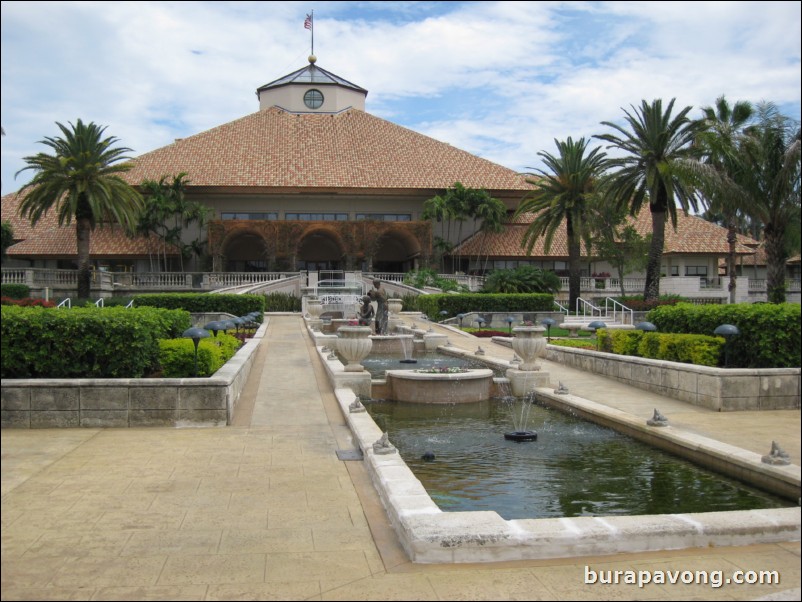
619,317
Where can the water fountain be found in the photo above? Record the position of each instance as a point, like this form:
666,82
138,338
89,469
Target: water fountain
519,412
432,531
406,347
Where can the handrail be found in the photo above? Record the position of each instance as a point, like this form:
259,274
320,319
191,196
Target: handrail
66,302
623,309
562,308
99,302
585,305
130,304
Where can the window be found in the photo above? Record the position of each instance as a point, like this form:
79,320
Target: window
385,217
251,216
696,270
316,217
313,99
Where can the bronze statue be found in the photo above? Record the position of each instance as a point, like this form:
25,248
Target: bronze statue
380,297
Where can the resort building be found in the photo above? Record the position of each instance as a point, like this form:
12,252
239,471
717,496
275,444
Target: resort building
312,182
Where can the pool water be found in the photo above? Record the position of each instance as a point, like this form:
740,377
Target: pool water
378,364
575,468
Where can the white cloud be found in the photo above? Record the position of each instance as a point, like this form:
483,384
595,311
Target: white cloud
501,79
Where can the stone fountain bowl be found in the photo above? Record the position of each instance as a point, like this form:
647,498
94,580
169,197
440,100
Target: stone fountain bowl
468,386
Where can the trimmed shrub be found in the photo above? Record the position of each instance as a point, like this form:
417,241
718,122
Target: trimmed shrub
432,305
84,342
771,334
637,303
282,302
620,342
238,305
15,291
27,302
701,350
177,356
575,343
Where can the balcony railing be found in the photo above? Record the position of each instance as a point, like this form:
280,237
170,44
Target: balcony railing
40,279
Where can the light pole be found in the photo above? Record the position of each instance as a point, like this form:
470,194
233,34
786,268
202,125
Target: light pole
196,334
727,331
548,323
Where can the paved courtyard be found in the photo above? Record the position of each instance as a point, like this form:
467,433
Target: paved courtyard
264,510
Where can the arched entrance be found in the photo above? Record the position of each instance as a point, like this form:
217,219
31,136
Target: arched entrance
320,249
397,251
246,252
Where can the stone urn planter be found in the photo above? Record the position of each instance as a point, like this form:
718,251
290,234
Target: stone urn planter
354,345
529,344
314,308
395,306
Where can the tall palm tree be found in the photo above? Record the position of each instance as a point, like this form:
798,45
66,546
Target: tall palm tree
492,212
770,165
723,127
80,181
654,167
561,194
436,210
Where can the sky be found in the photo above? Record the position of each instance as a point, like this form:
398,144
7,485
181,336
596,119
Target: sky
502,80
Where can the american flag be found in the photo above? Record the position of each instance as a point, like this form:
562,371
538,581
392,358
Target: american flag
308,22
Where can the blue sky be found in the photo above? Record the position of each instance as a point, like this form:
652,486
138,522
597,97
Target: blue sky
499,79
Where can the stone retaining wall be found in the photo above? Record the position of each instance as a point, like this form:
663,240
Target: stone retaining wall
129,402
715,388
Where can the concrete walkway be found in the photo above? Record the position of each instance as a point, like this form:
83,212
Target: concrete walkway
264,510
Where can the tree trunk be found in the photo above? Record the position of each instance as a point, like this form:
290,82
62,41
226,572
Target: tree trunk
574,267
732,237
83,229
775,268
652,289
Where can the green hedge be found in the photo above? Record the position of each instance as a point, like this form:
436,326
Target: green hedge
282,302
15,291
238,305
177,356
698,349
84,342
432,305
770,334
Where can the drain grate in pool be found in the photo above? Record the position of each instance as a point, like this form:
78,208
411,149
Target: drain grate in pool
349,454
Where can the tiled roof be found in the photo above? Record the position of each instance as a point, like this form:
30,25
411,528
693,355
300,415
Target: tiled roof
106,242
693,235
349,150
47,239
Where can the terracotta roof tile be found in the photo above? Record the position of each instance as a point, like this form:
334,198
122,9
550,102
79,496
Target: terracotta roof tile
693,235
105,242
353,149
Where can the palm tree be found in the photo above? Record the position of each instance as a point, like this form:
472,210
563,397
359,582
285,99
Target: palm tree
436,210
723,128
79,180
492,212
561,194
655,167
769,160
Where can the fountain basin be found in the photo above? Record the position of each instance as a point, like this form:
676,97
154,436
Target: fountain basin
469,386
392,344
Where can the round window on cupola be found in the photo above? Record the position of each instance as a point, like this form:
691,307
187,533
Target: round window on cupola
313,99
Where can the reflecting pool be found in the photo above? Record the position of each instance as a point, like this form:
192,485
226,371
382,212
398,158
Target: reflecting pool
575,468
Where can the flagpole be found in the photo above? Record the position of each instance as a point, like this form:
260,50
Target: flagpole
312,29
